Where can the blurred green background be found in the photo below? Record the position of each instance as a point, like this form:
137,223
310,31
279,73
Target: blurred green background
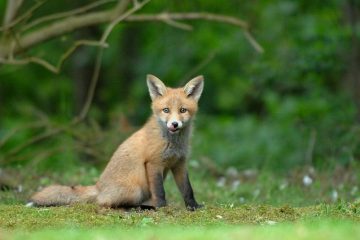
295,106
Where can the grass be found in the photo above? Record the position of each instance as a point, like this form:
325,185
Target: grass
337,221
309,230
260,205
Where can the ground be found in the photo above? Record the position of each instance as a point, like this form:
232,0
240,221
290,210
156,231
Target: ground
337,221
247,204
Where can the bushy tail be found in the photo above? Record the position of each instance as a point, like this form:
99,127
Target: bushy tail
57,195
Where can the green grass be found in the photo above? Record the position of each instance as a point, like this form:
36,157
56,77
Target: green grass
310,230
261,206
338,221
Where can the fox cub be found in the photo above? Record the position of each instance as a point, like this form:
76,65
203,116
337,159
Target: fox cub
135,174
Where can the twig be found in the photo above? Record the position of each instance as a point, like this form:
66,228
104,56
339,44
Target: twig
166,17
70,24
117,20
96,72
24,16
77,44
91,89
121,6
14,131
28,60
189,16
33,140
174,23
65,14
49,66
253,42
12,6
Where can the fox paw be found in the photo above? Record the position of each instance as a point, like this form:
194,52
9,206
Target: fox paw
193,207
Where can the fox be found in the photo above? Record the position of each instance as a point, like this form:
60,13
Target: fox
135,174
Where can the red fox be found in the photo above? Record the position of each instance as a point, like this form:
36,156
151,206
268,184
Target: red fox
134,175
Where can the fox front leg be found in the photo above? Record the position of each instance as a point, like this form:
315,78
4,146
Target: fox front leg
156,184
182,181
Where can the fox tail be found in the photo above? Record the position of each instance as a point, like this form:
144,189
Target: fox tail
58,195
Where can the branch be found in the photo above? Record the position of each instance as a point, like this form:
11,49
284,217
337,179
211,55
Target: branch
189,16
65,14
53,68
96,73
26,15
28,60
72,23
253,42
56,29
170,19
90,93
12,7
14,131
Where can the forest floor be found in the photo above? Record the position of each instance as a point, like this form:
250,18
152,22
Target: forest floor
337,221
258,207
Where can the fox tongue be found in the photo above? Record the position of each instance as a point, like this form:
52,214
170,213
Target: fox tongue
172,129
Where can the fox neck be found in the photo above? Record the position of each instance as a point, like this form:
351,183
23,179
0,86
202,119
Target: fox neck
179,138
177,144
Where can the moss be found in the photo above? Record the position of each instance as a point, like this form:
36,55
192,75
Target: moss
21,217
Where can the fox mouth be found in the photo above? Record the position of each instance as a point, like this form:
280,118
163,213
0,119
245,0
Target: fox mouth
173,130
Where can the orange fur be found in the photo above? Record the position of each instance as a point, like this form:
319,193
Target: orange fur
134,175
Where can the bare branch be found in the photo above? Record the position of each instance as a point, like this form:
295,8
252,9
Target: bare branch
66,14
175,24
90,95
96,73
75,46
14,131
12,7
166,17
26,15
121,18
46,64
121,6
253,42
189,16
33,140
28,60
70,24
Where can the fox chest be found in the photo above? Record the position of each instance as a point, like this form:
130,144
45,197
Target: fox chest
173,153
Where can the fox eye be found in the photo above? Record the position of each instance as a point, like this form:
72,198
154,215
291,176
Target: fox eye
166,110
183,110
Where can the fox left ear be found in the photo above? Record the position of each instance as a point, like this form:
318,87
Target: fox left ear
156,87
195,87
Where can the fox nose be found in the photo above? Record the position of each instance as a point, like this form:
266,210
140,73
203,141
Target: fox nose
175,124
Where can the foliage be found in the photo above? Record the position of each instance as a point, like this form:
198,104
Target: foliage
282,109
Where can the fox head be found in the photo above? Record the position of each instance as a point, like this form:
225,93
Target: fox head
174,107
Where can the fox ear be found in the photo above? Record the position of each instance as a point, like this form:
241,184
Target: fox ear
194,87
156,87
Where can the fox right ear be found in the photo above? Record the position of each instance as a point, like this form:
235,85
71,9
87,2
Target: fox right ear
156,87
194,87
